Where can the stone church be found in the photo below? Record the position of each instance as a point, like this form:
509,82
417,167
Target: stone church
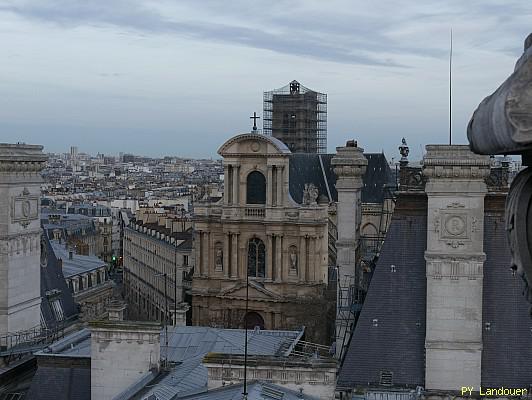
272,229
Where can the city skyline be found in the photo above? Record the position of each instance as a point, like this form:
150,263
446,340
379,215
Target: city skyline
144,77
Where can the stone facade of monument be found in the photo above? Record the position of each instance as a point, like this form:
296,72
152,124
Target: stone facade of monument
454,265
258,232
20,237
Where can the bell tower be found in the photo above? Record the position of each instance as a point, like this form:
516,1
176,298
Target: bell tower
20,233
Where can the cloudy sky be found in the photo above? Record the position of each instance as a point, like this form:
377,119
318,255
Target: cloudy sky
180,77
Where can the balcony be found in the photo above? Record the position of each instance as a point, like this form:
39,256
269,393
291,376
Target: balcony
254,212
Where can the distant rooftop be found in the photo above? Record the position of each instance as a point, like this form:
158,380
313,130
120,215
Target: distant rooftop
79,264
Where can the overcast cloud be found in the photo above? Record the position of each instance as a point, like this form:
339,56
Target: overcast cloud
181,77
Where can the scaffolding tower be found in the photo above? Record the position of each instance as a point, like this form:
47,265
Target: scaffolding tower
297,116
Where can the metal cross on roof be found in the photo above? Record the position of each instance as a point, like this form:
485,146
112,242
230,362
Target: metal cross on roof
254,118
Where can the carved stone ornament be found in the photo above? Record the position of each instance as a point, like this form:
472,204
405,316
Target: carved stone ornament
44,253
518,216
292,255
310,194
24,208
218,257
254,146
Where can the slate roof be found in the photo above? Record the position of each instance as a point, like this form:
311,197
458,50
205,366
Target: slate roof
256,391
49,384
53,281
396,300
317,169
188,345
79,263
390,333
507,344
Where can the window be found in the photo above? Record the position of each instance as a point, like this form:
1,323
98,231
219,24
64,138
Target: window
256,188
57,309
256,258
185,261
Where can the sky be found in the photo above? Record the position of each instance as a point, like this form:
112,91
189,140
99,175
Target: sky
156,77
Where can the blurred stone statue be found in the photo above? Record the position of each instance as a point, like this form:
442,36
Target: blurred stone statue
310,194
502,124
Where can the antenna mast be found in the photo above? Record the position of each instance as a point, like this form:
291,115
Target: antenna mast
451,91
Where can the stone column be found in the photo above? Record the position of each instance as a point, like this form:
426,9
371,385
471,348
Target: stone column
349,166
312,258
454,265
280,201
234,256
236,183
227,185
20,283
279,259
226,259
269,187
198,250
269,256
302,264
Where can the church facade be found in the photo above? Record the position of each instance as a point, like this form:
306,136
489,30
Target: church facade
259,234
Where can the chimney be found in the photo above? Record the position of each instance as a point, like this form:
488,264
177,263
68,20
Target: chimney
349,165
132,348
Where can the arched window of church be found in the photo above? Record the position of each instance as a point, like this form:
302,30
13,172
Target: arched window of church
256,188
256,258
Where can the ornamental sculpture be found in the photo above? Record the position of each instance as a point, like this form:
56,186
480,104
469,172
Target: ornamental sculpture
502,124
310,194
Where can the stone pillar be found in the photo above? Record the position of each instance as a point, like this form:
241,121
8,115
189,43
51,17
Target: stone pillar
121,354
349,166
226,259
454,265
302,258
236,183
279,259
312,258
280,201
199,254
269,187
227,185
269,256
234,256
20,237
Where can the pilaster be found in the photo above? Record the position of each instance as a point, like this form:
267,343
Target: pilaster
20,233
454,265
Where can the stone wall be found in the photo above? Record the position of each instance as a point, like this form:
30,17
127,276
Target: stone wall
20,232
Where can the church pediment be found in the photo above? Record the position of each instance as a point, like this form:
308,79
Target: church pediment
256,292
253,144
